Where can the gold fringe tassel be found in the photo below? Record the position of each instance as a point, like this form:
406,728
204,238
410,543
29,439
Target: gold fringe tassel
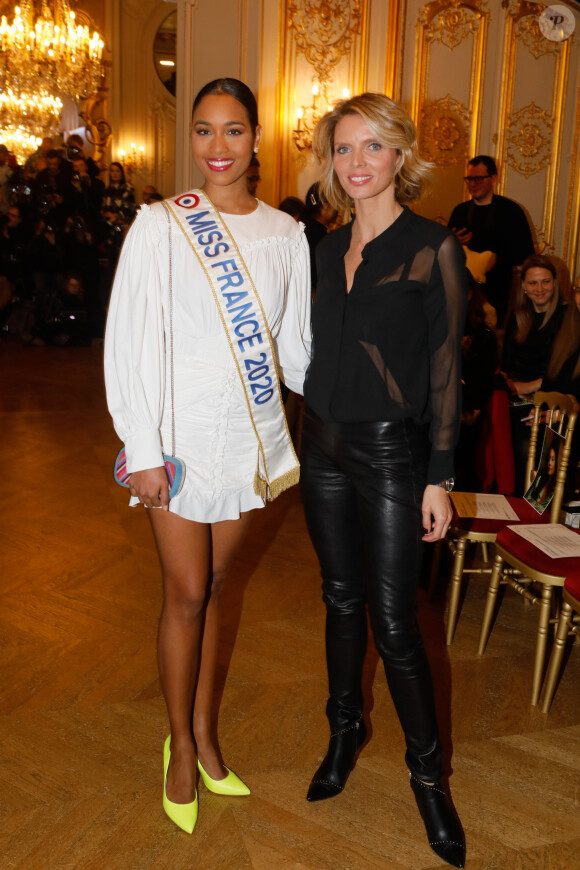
271,491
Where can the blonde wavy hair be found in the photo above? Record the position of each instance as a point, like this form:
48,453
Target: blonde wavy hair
392,127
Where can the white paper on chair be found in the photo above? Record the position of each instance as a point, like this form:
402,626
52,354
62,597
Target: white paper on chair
554,539
483,506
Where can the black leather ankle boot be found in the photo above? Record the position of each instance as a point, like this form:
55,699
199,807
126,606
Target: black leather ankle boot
444,830
330,778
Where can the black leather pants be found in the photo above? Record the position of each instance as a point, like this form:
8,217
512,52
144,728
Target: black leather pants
363,486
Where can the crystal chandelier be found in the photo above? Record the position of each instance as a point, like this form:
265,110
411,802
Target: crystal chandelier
46,51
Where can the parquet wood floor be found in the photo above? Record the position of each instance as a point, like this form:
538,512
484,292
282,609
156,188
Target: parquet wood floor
82,719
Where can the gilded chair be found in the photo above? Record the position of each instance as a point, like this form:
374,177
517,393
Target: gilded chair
464,531
568,624
521,565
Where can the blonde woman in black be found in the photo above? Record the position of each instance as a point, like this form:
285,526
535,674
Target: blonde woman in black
382,417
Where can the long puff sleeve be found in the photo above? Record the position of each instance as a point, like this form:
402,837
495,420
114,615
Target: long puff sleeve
446,318
294,338
134,345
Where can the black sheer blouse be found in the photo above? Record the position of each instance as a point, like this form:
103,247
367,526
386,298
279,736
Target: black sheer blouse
391,348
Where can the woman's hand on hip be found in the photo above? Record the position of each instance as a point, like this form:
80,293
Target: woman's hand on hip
151,487
437,513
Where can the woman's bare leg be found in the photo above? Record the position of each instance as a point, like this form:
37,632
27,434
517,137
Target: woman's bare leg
184,549
188,637
225,540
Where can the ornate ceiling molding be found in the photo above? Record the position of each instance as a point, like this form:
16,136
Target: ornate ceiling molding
324,30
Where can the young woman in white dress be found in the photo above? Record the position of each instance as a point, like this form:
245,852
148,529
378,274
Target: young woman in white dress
199,530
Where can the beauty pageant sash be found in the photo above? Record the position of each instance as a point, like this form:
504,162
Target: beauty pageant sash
248,336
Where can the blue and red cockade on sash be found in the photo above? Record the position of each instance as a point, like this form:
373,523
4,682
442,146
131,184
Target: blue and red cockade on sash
242,314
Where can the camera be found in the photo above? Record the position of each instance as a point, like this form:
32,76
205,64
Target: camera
72,152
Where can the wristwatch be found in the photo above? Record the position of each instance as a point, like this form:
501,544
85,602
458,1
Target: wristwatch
447,484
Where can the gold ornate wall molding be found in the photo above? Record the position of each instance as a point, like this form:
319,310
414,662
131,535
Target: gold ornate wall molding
450,24
395,54
97,129
444,131
322,43
324,30
529,137
527,30
572,238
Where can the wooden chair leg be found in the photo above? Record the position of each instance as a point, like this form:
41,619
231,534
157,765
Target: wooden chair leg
556,658
490,604
455,588
542,638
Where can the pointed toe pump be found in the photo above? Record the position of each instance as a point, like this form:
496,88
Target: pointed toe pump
183,815
444,830
330,778
230,785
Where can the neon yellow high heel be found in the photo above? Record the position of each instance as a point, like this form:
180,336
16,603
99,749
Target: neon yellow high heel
230,785
184,815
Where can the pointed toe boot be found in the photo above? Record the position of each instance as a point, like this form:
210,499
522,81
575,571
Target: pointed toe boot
330,778
443,828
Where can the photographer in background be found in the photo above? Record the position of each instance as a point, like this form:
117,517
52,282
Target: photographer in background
111,235
47,266
49,191
75,148
68,323
37,161
85,192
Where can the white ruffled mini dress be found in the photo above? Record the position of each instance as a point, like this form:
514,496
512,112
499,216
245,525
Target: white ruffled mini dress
213,431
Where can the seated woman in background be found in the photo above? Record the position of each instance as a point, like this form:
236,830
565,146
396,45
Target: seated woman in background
530,334
532,326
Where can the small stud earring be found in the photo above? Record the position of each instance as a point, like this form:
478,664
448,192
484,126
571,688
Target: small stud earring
255,150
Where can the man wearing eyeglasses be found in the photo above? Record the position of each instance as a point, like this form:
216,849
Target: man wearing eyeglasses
489,222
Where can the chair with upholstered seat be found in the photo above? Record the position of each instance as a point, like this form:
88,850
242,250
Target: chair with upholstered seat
471,530
568,624
521,565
